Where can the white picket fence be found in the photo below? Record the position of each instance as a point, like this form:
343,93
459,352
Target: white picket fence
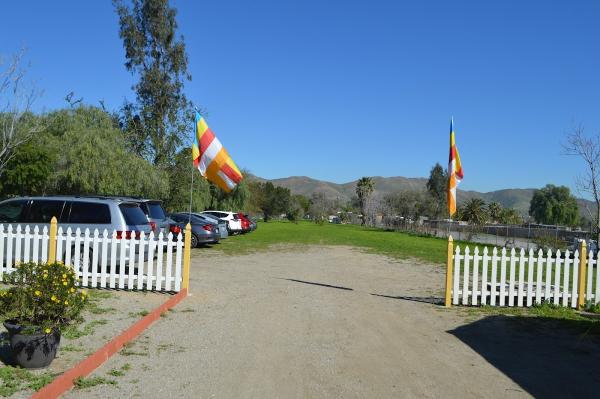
521,278
100,259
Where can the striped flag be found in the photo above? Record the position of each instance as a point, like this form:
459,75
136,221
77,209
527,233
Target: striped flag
455,172
211,158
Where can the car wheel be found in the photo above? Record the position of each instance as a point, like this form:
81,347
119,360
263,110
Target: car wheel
194,242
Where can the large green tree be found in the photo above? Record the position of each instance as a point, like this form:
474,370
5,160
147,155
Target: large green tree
364,189
437,187
554,205
156,124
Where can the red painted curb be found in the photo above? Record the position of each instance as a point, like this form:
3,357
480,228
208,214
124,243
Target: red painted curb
64,382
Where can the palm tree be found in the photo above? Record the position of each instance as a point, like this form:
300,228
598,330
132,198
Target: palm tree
495,211
364,189
475,212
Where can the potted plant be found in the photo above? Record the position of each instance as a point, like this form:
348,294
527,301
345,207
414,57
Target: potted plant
43,298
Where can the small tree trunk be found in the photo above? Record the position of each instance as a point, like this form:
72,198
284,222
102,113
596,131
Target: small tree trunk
597,222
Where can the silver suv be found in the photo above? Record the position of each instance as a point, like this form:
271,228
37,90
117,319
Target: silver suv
123,216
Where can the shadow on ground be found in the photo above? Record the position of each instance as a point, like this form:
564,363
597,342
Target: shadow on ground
546,357
422,299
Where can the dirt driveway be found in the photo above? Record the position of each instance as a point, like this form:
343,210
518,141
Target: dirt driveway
314,322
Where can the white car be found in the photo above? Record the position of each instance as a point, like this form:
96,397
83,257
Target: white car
234,223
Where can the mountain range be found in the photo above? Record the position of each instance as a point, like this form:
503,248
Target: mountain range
517,198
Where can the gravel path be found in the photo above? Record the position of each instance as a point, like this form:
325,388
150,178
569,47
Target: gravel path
312,322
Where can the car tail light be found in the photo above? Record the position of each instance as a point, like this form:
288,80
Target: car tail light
127,235
207,227
175,229
153,225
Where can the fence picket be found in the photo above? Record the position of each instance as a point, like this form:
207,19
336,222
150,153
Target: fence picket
113,259
455,281
503,278
140,273
597,264
122,252
494,276
475,284
465,290
2,264
151,249
557,274
131,271
44,248
549,262
566,273
103,258
9,244
169,262
575,284
590,279
27,244
18,239
511,283
178,263
540,270
95,242
68,246
521,282
484,276
85,258
159,260
59,244
530,269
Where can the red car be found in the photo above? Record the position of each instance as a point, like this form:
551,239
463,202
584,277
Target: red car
245,222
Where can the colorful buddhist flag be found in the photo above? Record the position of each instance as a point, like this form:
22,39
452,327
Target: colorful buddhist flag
455,172
211,158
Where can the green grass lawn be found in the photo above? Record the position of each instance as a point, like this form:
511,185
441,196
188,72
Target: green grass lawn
394,244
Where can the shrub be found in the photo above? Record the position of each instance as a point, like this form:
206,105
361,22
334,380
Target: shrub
42,297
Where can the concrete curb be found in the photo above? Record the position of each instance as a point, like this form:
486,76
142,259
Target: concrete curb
64,382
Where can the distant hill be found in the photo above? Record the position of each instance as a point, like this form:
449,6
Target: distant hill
517,198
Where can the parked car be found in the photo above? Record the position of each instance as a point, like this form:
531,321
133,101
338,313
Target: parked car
592,245
203,231
155,213
222,223
253,223
245,223
234,224
113,214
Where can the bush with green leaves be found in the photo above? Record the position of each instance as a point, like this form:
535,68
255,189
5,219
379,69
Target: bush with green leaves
43,296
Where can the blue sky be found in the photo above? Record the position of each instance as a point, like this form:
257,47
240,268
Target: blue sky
337,90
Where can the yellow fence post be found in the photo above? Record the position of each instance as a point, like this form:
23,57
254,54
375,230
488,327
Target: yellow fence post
52,240
187,255
582,275
448,301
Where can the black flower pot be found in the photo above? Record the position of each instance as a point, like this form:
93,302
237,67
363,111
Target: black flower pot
35,350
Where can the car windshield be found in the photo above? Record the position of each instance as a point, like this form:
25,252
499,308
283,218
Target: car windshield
156,210
133,214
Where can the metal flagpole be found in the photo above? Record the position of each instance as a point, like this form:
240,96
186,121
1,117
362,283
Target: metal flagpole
191,192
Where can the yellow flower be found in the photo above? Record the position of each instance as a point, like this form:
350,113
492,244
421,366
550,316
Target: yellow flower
66,302
64,276
47,331
83,293
45,276
64,283
72,289
53,298
38,293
